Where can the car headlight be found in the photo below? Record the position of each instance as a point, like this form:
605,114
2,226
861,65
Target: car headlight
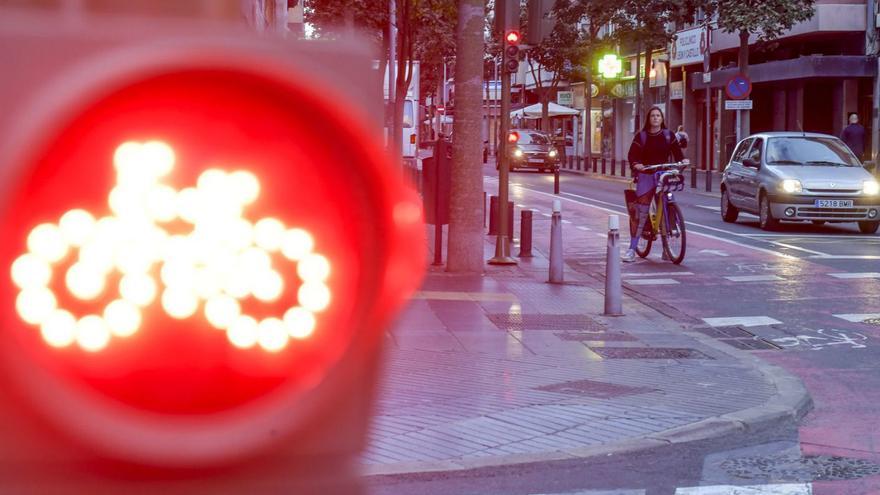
791,186
517,153
552,153
871,187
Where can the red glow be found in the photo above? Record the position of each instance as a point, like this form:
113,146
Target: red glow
512,37
513,137
186,366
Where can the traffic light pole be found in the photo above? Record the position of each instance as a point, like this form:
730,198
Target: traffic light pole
502,241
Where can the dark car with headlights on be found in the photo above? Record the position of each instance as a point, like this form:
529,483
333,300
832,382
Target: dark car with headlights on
532,150
797,176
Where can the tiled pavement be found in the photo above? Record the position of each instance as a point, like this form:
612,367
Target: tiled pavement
504,368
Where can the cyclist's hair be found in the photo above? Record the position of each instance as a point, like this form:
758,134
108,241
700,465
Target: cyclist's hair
648,118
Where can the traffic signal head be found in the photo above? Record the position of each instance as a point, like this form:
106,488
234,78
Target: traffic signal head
511,51
204,244
513,137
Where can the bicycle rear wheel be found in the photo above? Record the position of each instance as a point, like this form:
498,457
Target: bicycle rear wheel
644,245
674,237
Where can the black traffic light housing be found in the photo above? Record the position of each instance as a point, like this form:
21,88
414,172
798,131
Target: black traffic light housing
511,51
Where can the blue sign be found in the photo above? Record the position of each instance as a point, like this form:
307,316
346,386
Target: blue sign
738,87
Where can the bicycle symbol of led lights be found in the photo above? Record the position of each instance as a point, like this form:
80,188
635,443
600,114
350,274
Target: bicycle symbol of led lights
224,260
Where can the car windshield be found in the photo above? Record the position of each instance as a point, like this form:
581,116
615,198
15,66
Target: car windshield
805,150
533,138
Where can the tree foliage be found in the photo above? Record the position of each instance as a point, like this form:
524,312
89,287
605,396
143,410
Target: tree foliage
768,19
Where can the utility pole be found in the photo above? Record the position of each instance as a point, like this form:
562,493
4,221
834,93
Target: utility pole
872,45
507,24
393,137
706,70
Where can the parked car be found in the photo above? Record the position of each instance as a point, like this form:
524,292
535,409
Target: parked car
533,149
796,176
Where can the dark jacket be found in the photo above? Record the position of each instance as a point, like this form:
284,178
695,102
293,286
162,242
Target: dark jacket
854,137
652,149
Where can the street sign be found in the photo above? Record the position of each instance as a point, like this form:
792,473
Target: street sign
707,77
739,87
565,98
738,105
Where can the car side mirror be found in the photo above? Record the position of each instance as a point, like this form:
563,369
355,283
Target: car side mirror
748,162
870,166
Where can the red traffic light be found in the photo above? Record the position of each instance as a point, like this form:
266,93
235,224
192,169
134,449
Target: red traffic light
513,137
191,276
512,37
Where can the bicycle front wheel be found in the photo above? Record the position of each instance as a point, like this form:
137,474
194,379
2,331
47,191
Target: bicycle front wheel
674,236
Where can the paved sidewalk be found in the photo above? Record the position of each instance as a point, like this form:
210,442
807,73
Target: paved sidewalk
505,368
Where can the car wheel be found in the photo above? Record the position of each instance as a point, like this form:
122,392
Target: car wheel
869,227
729,213
765,215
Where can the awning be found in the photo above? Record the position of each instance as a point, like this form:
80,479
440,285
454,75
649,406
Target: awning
553,110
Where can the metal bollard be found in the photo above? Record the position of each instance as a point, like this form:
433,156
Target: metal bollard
595,163
613,288
604,171
708,180
556,263
484,209
556,181
623,168
693,175
525,234
613,166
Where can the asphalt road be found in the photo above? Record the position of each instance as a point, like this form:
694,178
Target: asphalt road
810,296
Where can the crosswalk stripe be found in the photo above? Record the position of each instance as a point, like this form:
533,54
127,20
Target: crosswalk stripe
781,489
746,321
858,317
655,274
755,278
652,281
856,275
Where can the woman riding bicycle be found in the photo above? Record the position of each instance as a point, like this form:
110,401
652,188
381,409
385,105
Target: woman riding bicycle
653,145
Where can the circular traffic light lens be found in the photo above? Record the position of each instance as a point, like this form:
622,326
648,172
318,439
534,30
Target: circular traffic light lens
190,247
512,37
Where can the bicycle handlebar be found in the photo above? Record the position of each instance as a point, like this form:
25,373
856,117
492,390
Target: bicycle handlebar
679,166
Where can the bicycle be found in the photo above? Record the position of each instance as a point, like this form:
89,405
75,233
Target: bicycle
216,262
665,216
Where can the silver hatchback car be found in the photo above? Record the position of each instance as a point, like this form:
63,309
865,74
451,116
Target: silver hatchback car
799,177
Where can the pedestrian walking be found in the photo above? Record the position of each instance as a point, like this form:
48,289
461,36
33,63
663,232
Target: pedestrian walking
854,136
653,145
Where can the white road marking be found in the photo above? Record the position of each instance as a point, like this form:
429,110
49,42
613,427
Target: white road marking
566,221
856,275
713,208
817,254
716,252
755,278
746,321
721,239
656,274
781,489
581,227
548,215
653,281
847,257
618,491
858,317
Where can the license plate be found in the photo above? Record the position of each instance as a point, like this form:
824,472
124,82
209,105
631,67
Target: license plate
834,203
536,160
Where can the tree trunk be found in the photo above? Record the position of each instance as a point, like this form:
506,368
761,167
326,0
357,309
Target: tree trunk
588,100
545,108
647,100
745,124
466,240
637,108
